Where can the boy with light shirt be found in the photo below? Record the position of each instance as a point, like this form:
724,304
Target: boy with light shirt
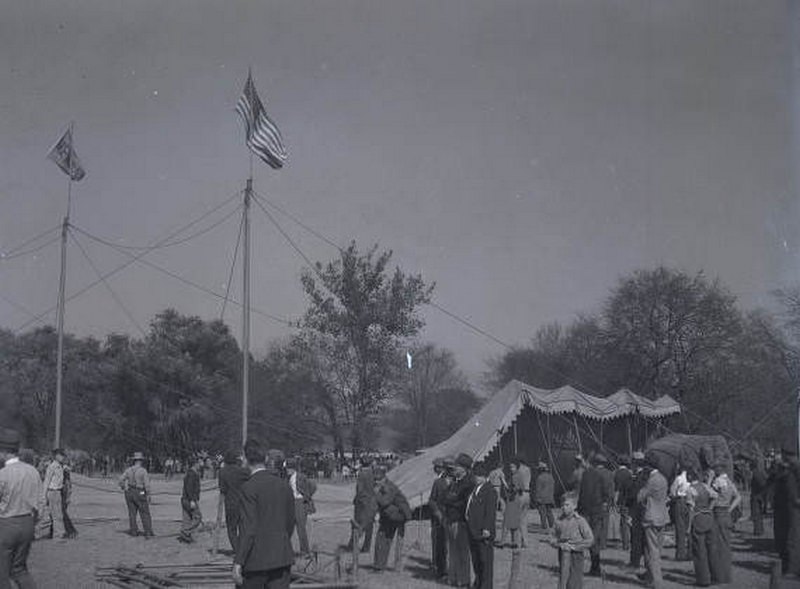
572,535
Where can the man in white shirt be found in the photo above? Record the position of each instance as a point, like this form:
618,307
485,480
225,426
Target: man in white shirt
678,492
53,482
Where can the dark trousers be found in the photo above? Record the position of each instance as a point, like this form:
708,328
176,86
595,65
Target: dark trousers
570,566
757,505
366,532
724,535
137,503
637,540
232,526
300,520
704,550
439,547
191,520
16,535
482,552
273,579
383,541
546,515
680,513
624,528
597,521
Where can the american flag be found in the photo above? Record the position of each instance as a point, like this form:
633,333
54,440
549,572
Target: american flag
262,135
63,154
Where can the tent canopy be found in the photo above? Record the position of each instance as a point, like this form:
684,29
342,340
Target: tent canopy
481,434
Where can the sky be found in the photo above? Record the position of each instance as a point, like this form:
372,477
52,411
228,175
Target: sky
524,155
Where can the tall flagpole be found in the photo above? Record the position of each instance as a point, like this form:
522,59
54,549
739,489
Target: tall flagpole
246,303
62,282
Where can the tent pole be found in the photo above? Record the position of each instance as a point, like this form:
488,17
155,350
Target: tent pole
630,439
516,450
577,434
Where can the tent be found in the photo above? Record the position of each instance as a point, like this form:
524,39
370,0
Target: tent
542,425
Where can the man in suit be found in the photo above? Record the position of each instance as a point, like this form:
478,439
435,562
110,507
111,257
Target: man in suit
596,494
438,525
264,558
455,503
231,478
481,513
190,502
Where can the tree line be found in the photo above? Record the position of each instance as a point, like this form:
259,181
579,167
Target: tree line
357,367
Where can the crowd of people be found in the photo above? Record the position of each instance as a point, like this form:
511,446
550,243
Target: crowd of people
475,509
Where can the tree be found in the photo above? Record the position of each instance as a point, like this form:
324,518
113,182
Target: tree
358,316
433,370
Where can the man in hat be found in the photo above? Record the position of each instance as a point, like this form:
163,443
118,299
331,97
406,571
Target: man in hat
53,484
678,493
20,502
231,478
481,517
303,491
190,501
624,495
521,481
544,495
438,525
636,510
393,513
596,494
576,477
455,502
264,556
653,497
135,483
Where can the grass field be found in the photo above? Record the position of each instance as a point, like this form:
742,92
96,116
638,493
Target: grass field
101,517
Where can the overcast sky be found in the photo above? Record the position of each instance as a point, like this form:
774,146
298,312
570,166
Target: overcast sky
522,154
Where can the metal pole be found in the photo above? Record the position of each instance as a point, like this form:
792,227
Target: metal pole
246,309
62,286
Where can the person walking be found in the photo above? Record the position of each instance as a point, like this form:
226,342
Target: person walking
680,513
20,504
53,484
624,496
728,499
572,535
190,501
700,498
231,478
455,501
303,491
544,495
481,515
393,513
264,556
653,497
438,525
365,507
135,484
596,494
758,496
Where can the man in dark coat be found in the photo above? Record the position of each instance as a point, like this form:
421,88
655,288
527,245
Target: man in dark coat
438,526
780,481
758,496
636,511
791,511
231,478
394,511
544,495
190,502
264,558
365,507
595,496
455,503
481,515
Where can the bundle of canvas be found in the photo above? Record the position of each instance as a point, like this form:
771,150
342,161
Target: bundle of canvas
695,452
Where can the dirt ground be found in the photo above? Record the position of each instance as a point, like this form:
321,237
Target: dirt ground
100,515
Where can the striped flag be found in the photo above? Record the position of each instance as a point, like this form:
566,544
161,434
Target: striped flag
262,135
64,156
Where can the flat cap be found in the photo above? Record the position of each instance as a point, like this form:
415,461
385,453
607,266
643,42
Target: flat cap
464,460
480,470
136,456
231,457
449,461
599,459
638,456
9,438
438,462
543,466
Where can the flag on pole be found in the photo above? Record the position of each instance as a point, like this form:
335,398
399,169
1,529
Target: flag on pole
262,135
64,156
